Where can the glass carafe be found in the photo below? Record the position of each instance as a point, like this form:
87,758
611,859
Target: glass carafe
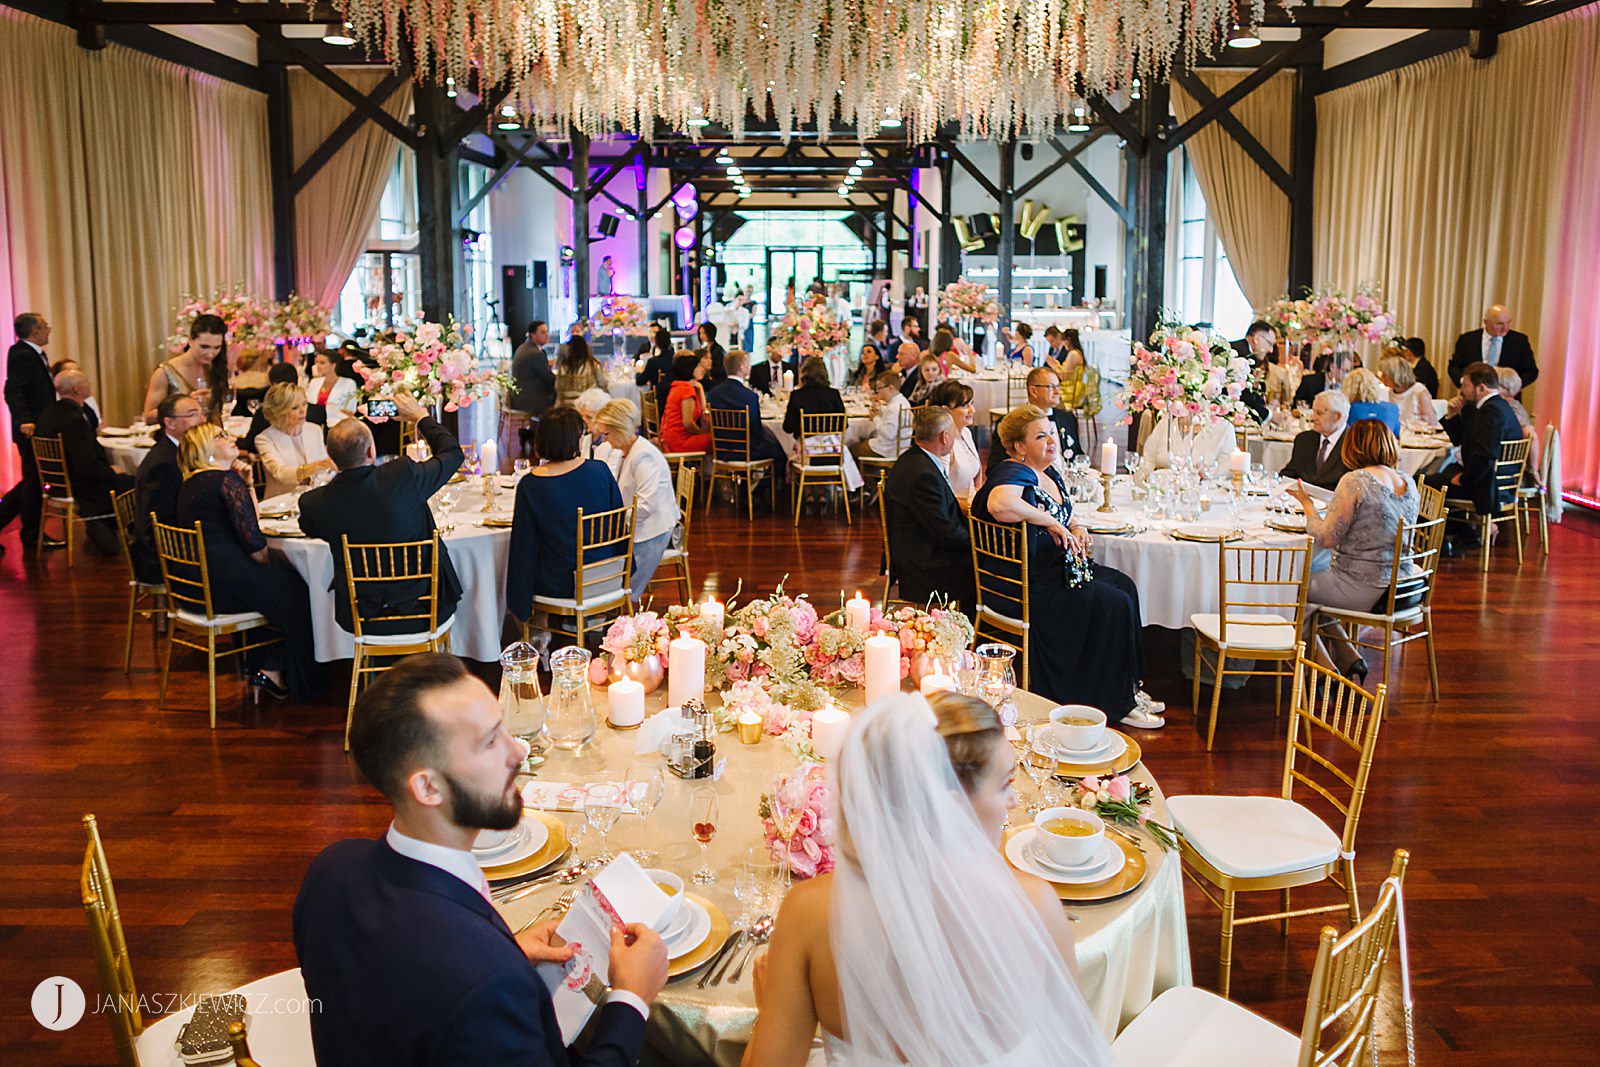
570,721
997,679
521,700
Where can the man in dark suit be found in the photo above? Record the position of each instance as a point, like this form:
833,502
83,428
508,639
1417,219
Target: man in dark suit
1044,391
1480,421
1417,357
530,370
734,394
929,546
719,356
878,338
410,963
155,487
29,390
1315,456
94,479
908,357
1498,345
1257,347
911,332
1315,381
383,505
765,377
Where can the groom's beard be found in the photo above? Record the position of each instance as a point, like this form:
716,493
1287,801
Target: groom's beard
476,811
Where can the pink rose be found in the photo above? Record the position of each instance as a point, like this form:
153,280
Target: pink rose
1118,788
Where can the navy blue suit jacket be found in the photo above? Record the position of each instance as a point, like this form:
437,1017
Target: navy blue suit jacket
732,395
411,966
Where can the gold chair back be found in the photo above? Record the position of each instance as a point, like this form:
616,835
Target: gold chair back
1016,389
596,576
1072,388
684,487
122,506
1000,575
1342,1005
650,413
730,435
1508,472
110,946
408,435
183,567
1262,582
1089,402
822,438
1431,502
51,459
371,568
674,567
1333,723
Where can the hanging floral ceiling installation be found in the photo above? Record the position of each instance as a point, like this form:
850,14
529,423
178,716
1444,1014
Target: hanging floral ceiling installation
993,66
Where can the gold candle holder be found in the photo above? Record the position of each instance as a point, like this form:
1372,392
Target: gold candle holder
1105,496
1238,483
750,728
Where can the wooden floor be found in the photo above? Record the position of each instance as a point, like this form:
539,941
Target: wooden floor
208,832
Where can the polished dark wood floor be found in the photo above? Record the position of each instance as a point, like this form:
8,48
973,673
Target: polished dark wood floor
208,832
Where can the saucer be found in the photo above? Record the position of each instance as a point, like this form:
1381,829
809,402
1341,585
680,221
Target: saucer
692,933
533,836
1109,748
1022,858
1036,852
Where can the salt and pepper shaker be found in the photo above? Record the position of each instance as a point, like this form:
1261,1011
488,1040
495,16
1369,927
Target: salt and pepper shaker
705,747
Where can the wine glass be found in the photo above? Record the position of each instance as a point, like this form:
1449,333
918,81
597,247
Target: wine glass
1132,461
750,883
703,825
964,668
645,786
1038,740
521,466
602,803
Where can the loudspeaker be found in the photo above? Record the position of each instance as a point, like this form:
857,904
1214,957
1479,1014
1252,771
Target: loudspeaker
1027,150
1099,281
523,303
541,274
608,225
982,226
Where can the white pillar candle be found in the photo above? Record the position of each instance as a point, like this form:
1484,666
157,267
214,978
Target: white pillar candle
934,683
1108,457
489,457
828,727
858,613
883,667
1239,462
712,612
788,379
686,669
625,699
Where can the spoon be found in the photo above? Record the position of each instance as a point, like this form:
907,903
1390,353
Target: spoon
760,933
566,876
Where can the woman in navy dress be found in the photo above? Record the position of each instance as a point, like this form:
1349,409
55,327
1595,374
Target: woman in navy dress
1084,645
544,524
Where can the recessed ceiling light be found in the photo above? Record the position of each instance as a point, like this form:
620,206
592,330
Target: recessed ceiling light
1080,120
734,172
338,35
865,160
699,122
844,190
724,159
849,179
855,172
890,123
1242,38
508,124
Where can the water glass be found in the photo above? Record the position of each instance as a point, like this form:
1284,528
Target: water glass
602,803
645,786
521,466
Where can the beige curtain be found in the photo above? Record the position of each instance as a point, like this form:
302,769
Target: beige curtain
126,184
1251,212
335,212
1456,183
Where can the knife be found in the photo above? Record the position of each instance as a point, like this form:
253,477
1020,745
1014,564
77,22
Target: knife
720,960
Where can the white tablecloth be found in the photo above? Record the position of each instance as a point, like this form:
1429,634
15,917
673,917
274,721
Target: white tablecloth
1415,457
479,554
989,391
1129,950
126,453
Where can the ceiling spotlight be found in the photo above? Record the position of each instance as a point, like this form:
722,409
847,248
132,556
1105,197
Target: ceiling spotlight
508,124
844,190
723,158
743,191
865,160
1136,91
889,123
1080,120
1239,37
734,172
686,209
339,35
699,121
855,172
685,194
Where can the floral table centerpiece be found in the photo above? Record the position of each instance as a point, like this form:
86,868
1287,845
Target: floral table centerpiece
637,647
431,361
1332,319
795,822
810,329
620,313
298,321
1187,371
962,299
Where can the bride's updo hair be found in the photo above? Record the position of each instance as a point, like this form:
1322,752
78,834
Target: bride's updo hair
1016,423
970,728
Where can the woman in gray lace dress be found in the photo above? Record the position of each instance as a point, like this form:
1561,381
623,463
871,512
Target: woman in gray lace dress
1369,506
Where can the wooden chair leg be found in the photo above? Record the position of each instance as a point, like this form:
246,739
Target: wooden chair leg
1389,654
1433,661
1225,962
685,581
1194,700
67,533
844,491
1284,922
211,674
1216,697
750,499
1544,525
799,498
1485,528
166,667
1518,528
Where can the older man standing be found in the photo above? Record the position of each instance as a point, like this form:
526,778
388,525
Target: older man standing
29,391
1496,344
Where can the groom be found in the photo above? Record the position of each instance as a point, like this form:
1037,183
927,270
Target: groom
399,945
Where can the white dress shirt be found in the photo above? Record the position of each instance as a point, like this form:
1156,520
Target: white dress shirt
885,440
963,465
1416,405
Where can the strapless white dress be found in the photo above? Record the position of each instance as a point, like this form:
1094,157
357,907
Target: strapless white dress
836,1052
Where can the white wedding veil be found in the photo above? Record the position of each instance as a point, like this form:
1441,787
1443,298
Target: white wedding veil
942,961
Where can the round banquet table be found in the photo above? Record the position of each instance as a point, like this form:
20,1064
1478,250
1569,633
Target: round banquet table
772,418
1130,949
126,453
478,552
1176,578
1418,452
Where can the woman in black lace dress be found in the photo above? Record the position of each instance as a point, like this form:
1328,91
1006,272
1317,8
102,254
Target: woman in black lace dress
245,576
1084,646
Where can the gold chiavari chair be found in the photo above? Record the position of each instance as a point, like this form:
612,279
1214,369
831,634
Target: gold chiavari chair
281,1036
1087,409
55,482
1262,598
1405,613
408,435
821,461
1430,504
650,414
258,476
190,618
730,458
600,578
1000,573
376,576
1016,393
1508,471
1246,844
876,468
1533,496
145,599
1187,1024
888,558
674,566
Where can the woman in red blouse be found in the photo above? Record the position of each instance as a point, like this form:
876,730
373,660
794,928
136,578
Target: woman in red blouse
685,423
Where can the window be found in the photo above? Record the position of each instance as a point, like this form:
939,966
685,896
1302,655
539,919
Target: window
385,288
1201,286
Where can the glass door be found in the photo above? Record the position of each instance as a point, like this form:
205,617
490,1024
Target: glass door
790,266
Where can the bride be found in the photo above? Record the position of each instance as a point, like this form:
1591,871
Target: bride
923,947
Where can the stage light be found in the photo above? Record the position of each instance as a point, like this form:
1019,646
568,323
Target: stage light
684,237
686,211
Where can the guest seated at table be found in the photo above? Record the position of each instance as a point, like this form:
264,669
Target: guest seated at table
878,341
1044,392
1416,354
1066,358
733,393
1315,381
1285,372
592,445
685,425
328,394
1369,399
952,352
1207,441
1084,645
1368,508
881,951
645,480
1410,396
91,407
811,396
249,379
281,373
657,372
965,468
1510,389
1315,455
908,360
531,371
544,523
1018,344
577,370
155,487
373,505
1480,421
397,941
870,367
930,375
291,449
889,431
94,479
929,544
706,333
245,574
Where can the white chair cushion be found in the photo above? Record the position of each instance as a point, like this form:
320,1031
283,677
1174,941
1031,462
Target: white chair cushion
595,603
408,639
985,612
1190,1027
1254,837
820,468
280,1025
1278,636
238,620
741,464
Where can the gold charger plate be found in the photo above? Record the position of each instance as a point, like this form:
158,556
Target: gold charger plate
497,524
284,533
1123,882
720,929
1285,527
1110,528
554,846
1129,758
1231,535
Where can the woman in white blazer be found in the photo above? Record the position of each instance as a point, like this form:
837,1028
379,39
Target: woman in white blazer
336,395
291,448
646,480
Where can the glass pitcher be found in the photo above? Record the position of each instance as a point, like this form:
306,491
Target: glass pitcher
570,720
997,679
521,700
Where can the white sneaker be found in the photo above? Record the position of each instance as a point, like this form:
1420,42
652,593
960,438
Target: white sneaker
1144,702
1140,719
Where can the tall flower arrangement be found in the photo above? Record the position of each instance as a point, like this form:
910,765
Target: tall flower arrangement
1333,319
298,320
431,361
962,299
1187,370
620,313
810,329
244,314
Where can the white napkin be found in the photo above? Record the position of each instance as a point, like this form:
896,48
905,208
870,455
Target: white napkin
655,731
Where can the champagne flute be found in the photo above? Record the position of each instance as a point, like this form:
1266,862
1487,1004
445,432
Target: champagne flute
1039,741
703,825
645,786
602,803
